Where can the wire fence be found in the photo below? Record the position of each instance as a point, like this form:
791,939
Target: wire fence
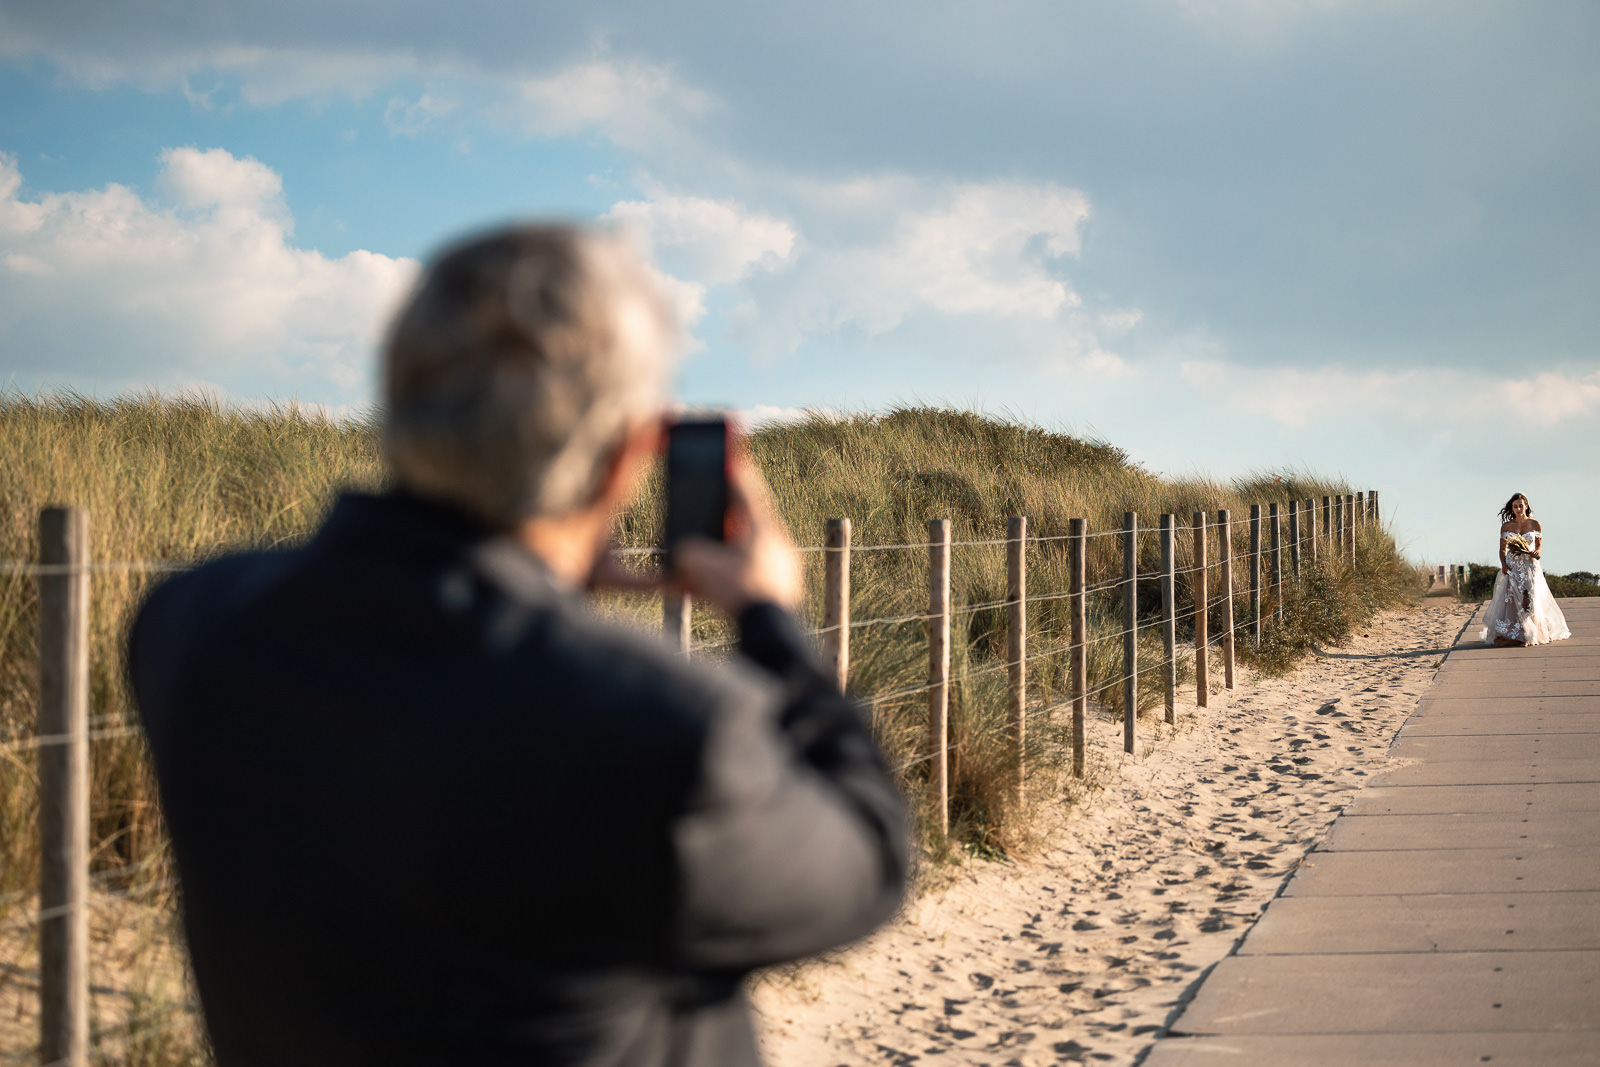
1258,577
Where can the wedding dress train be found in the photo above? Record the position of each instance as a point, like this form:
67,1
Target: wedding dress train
1522,607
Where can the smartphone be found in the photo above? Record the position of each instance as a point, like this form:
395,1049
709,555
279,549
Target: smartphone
697,481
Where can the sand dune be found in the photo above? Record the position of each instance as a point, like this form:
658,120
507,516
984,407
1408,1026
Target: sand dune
1082,950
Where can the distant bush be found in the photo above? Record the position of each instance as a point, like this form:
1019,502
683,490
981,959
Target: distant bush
1480,583
1578,583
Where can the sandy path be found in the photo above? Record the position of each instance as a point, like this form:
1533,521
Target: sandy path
137,981
1081,952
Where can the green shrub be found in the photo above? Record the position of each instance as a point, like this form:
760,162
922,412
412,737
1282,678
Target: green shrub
1579,583
1480,583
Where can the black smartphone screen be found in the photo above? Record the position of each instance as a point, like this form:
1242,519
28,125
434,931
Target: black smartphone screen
697,481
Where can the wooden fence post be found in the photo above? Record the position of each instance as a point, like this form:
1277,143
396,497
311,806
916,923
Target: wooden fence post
939,665
1329,539
1225,536
1169,617
1255,572
63,731
836,599
1077,681
1017,640
1311,530
1201,602
1350,528
677,613
1277,563
1294,539
1341,523
1130,626
1372,502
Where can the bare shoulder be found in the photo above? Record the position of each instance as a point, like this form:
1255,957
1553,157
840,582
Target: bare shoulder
1533,524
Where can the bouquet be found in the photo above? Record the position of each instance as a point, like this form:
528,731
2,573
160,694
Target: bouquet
1518,544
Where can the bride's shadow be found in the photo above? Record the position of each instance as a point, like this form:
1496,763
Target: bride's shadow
1414,653
1410,654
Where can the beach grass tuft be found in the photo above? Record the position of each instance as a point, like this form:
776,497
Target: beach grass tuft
178,480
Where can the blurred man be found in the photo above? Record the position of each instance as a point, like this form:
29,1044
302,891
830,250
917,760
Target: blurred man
426,807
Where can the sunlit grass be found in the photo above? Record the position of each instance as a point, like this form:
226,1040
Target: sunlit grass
185,479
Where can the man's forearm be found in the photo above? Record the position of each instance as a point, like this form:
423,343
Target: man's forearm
818,853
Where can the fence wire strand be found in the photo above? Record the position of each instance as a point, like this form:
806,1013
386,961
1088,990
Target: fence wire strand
1324,537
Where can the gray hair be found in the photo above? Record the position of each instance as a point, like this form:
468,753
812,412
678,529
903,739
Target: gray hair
516,367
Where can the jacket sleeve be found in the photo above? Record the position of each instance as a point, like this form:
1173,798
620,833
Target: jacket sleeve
796,838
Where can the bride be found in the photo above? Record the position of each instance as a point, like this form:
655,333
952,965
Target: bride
1522,611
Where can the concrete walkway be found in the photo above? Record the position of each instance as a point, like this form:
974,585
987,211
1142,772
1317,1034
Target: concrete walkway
1452,916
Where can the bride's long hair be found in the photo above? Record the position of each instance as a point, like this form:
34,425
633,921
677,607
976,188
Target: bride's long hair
1506,514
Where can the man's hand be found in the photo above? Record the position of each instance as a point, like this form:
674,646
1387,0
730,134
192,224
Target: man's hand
757,564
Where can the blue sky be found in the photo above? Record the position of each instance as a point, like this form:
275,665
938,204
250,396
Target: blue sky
1227,235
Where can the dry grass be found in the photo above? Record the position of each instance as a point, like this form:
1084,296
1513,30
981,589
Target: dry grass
185,479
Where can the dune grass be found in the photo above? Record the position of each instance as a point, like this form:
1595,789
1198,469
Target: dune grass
184,479
180,480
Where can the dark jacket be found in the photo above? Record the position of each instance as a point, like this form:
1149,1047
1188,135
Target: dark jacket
427,808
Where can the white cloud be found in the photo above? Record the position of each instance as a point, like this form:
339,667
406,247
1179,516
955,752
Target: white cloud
1442,397
100,49
713,241
1120,321
409,118
205,286
1550,398
987,250
550,83
868,255
269,76
697,243
876,254
638,105
214,178
760,415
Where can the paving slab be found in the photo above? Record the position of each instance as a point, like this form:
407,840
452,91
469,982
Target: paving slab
1526,746
1444,799
1533,665
1514,687
1396,993
1430,922
1446,870
1474,654
1510,1049
1447,723
1491,772
1431,703
1570,667
1460,830
1481,665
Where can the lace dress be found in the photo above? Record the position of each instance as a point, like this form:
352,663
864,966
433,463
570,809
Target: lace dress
1522,607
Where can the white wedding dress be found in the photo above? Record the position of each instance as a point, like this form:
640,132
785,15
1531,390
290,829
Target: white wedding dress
1522,607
